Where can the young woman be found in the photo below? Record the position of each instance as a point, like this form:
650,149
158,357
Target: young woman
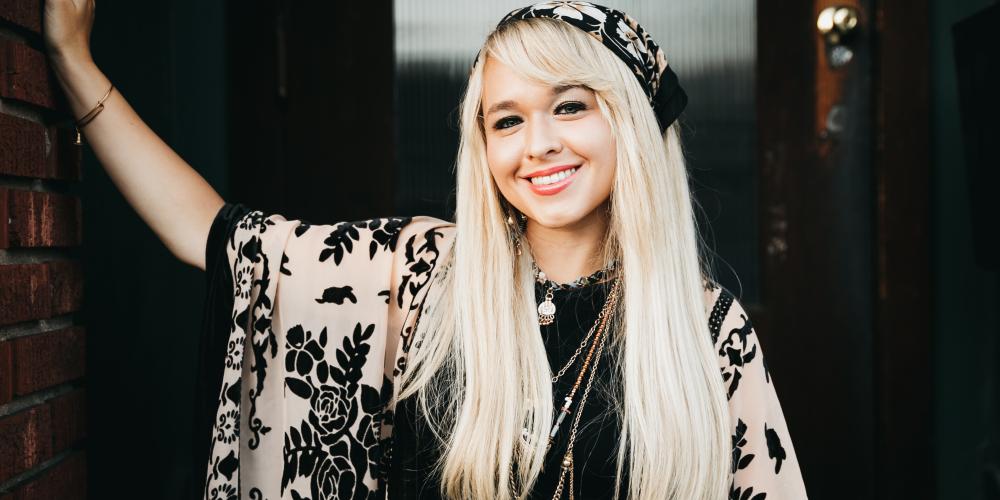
559,339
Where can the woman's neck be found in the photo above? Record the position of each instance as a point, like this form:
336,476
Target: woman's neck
567,253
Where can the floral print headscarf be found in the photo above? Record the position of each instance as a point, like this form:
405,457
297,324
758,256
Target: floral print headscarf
626,39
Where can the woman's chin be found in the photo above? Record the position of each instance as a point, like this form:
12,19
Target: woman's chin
569,214
557,220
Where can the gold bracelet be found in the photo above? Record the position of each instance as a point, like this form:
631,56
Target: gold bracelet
89,117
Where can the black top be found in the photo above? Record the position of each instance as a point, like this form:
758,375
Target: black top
213,339
415,449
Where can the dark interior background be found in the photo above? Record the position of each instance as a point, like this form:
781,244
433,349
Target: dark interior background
191,68
143,307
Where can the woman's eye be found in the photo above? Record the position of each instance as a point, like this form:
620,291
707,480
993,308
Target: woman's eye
506,122
570,107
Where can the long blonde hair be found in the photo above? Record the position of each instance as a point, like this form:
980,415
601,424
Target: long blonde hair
479,368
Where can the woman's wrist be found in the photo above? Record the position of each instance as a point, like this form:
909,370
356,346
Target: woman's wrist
82,81
66,61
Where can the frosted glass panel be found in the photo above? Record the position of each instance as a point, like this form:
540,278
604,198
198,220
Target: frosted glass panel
711,44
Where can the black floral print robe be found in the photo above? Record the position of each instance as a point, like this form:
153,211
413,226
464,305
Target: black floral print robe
308,326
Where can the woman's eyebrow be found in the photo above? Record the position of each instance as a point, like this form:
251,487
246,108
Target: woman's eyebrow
507,105
501,106
565,88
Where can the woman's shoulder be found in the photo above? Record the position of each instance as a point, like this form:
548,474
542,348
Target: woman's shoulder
724,310
379,234
254,235
382,230
733,335
401,241
422,223
719,301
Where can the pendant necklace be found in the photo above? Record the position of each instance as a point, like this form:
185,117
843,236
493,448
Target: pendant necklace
547,309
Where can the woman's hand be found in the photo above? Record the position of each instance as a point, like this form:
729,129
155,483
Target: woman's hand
66,27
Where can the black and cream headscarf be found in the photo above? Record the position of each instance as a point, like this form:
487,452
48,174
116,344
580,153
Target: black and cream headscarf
626,39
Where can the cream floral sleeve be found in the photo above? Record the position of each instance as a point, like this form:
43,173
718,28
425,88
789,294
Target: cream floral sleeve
764,465
304,343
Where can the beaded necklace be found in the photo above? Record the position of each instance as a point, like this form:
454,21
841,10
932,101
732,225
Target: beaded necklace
597,345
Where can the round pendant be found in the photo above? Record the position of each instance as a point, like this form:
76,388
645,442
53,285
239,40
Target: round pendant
546,308
546,312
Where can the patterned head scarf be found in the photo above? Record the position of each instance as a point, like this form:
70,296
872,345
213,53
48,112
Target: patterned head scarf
623,36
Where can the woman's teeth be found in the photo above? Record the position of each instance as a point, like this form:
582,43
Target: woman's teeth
549,179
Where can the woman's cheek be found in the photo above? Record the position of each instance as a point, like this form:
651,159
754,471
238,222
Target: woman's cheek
503,158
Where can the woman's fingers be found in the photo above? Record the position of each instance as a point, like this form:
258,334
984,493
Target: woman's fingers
66,27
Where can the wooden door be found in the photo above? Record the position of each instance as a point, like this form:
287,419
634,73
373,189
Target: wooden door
843,308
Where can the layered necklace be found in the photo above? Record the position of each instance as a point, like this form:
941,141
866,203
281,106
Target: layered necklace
547,309
593,342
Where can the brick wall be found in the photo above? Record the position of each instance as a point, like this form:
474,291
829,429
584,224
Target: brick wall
42,363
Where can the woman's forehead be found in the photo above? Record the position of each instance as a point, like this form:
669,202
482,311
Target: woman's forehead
501,82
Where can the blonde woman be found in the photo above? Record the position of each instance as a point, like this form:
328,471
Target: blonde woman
559,339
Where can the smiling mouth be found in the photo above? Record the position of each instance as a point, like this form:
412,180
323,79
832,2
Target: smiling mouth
545,180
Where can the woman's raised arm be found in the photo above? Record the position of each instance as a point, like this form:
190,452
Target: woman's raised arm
169,195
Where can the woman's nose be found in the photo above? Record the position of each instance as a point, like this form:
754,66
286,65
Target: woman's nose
542,139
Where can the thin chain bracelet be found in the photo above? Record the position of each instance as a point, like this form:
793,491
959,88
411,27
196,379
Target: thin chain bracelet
89,117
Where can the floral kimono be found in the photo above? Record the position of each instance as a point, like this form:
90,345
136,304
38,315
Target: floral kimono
307,328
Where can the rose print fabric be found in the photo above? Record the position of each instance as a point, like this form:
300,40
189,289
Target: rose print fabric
308,326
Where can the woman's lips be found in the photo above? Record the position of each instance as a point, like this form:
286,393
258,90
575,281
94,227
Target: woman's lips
555,187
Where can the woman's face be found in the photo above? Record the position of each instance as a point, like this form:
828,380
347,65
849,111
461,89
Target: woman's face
549,150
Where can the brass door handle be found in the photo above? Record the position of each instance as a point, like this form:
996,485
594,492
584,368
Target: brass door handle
838,25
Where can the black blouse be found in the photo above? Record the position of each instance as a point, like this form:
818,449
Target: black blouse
415,449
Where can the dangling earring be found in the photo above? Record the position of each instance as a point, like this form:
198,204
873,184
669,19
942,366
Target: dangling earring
517,225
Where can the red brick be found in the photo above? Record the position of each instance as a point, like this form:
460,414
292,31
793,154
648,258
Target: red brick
66,480
6,372
38,291
47,359
28,149
25,441
66,278
24,13
24,75
25,293
69,419
38,219
22,146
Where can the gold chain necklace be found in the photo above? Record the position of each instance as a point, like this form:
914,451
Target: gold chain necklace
598,345
576,353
